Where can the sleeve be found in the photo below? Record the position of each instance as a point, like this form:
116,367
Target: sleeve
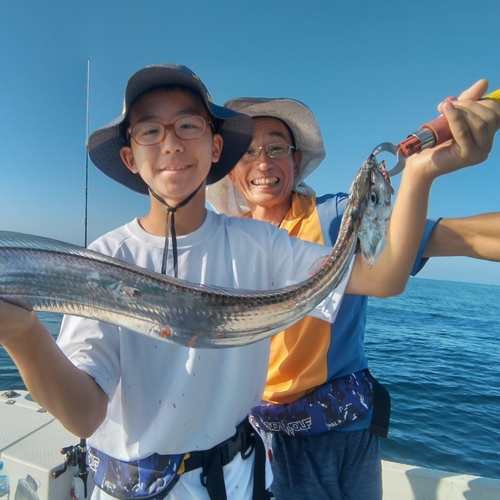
328,309
303,256
421,261
93,347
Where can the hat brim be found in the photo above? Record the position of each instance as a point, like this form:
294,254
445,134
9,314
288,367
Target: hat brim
105,143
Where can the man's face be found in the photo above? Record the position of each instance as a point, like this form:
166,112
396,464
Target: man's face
174,167
267,182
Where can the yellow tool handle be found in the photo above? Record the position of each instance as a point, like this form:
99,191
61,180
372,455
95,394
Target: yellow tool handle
494,96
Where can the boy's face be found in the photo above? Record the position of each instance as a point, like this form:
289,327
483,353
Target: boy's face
267,182
174,167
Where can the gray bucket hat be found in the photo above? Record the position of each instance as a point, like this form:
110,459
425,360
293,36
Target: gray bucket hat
105,143
223,195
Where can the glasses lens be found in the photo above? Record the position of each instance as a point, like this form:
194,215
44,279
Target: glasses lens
148,133
190,127
275,150
251,154
278,150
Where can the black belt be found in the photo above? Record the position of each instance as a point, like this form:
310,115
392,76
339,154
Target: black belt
245,441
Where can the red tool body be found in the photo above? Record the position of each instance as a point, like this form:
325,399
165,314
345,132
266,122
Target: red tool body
429,135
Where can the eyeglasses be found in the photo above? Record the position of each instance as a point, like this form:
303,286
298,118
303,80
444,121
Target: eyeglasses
274,150
150,133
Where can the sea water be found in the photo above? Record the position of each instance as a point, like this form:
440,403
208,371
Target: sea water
436,348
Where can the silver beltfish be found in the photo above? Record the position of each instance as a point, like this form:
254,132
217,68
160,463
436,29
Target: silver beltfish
42,274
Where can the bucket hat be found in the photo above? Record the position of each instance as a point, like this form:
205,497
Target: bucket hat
224,196
105,143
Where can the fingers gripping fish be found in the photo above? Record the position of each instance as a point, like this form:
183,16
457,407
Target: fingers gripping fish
47,275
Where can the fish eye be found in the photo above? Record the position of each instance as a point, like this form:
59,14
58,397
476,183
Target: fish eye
374,198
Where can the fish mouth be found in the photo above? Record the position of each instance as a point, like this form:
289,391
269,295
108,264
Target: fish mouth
265,181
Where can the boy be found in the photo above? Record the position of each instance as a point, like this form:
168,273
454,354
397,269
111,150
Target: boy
162,418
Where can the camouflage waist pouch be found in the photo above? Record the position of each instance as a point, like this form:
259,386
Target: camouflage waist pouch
330,406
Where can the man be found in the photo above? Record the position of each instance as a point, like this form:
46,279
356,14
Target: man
321,406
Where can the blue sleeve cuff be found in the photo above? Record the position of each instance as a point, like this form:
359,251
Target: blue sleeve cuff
421,261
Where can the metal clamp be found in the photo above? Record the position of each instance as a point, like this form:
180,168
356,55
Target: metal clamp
388,147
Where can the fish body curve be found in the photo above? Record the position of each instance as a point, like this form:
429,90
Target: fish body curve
47,275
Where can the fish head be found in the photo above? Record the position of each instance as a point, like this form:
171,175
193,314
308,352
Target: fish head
376,211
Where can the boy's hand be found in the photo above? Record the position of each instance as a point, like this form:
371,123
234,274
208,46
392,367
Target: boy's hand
473,124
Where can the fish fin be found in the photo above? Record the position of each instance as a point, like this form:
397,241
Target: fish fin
317,265
370,255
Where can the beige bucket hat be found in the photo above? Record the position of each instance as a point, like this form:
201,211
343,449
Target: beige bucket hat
223,195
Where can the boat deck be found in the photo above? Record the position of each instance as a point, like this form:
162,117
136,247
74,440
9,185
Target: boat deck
30,450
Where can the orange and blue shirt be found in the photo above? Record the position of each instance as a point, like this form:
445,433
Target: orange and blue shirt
313,352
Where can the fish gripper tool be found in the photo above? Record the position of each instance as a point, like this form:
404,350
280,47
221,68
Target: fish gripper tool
427,136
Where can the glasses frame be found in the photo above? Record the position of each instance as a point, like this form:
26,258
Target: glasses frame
171,126
247,158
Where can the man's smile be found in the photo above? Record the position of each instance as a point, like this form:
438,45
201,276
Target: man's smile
265,181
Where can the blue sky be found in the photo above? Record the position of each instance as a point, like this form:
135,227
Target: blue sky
370,71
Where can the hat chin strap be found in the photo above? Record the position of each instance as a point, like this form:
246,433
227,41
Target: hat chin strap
171,215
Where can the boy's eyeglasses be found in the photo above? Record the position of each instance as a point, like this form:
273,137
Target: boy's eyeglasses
274,150
150,133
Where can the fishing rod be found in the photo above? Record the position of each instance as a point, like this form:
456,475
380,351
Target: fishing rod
427,136
81,460
86,190
76,455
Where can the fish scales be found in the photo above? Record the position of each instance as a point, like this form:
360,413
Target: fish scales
47,275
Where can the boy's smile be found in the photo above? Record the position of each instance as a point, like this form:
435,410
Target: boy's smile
173,168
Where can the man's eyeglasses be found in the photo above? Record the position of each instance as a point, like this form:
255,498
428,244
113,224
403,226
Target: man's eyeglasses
274,150
150,133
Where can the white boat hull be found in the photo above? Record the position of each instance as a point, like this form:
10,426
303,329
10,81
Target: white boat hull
408,482
30,449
